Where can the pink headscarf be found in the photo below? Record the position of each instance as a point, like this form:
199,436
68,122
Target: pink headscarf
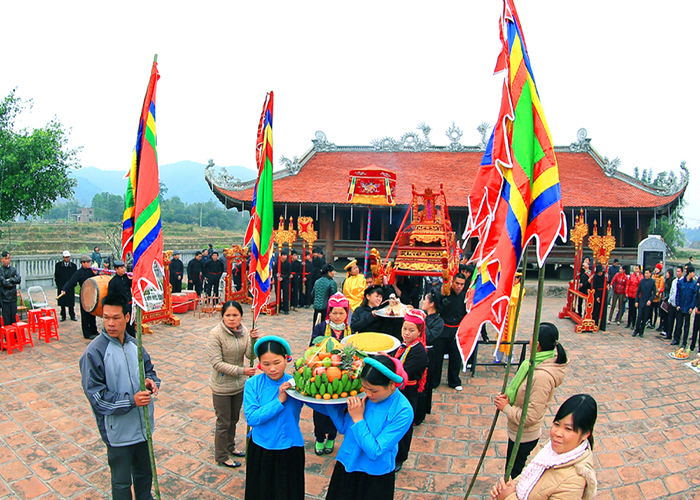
338,300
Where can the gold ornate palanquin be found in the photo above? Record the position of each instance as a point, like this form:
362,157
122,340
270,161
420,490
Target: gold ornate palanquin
427,246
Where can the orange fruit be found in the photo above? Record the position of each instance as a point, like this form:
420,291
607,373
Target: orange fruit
343,394
335,396
353,392
317,396
326,396
333,373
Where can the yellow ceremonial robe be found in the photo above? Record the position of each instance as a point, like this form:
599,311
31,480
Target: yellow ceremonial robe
354,290
510,321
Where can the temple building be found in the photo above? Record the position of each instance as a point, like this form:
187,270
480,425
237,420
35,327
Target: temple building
316,185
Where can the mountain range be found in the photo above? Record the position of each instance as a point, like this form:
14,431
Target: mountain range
184,179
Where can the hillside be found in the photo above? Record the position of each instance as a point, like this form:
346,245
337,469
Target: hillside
43,238
184,179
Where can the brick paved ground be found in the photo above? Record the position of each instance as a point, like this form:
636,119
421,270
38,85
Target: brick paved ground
647,437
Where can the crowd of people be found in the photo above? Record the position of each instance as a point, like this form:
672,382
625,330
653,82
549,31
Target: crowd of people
397,385
665,301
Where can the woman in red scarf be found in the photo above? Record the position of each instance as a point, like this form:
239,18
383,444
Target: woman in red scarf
413,355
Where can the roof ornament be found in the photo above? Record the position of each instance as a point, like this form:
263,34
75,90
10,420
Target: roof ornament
322,144
583,144
483,129
410,141
610,167
223,178
454,133
673,185
292,165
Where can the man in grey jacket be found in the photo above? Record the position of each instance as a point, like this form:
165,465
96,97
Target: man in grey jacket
110,377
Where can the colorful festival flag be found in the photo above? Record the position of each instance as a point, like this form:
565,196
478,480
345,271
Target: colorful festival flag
517,196
259,232
142,234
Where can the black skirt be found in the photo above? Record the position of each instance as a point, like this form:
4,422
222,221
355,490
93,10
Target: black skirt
359,485
274,474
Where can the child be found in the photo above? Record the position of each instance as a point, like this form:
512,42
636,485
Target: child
412,354
275,465
336,325
373,427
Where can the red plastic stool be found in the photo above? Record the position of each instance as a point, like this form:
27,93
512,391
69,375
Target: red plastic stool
48,328
50,311
33,316
8,338
24,336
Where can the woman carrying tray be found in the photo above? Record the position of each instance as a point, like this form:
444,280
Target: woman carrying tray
364,318
414,358
336,326
373,427
275,465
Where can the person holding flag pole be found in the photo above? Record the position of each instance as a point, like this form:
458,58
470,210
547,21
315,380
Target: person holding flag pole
516,198
108,364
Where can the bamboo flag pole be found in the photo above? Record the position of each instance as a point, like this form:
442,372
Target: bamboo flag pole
530,373
142,377
511,343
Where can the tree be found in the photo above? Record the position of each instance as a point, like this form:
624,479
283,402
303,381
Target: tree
63,211
108,207
671,230
34,165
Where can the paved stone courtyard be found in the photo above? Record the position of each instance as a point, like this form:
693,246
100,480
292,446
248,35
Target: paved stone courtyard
647,436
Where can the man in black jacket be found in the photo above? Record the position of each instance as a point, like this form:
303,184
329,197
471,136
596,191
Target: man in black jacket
120,284
212,274
9,279
645,294
194,273
177,268
285,271
87,320
452,311
295,278
62,273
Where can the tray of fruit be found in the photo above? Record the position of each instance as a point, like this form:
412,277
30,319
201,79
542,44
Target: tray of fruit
694,365
372,342
680,353
328,373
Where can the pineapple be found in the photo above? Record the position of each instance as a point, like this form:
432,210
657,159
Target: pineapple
347,356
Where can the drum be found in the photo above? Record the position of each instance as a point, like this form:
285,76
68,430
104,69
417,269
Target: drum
192,300
179,303
92,292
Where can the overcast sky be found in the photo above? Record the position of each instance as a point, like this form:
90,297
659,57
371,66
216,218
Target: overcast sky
355,70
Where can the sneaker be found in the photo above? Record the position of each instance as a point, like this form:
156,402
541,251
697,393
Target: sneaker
618,323
319,448
635,334
675,342
330,443
459,388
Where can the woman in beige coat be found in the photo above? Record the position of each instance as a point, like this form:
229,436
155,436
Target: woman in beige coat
563,469
229,342
550,367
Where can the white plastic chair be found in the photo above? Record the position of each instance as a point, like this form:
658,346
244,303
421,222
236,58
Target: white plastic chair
37,297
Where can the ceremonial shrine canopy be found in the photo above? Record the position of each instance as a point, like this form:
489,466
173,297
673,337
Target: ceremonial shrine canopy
316,185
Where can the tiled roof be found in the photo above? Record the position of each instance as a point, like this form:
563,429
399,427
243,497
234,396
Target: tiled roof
323,179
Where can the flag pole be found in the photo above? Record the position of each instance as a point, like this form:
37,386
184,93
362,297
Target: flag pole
142,377
531,371
505,378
